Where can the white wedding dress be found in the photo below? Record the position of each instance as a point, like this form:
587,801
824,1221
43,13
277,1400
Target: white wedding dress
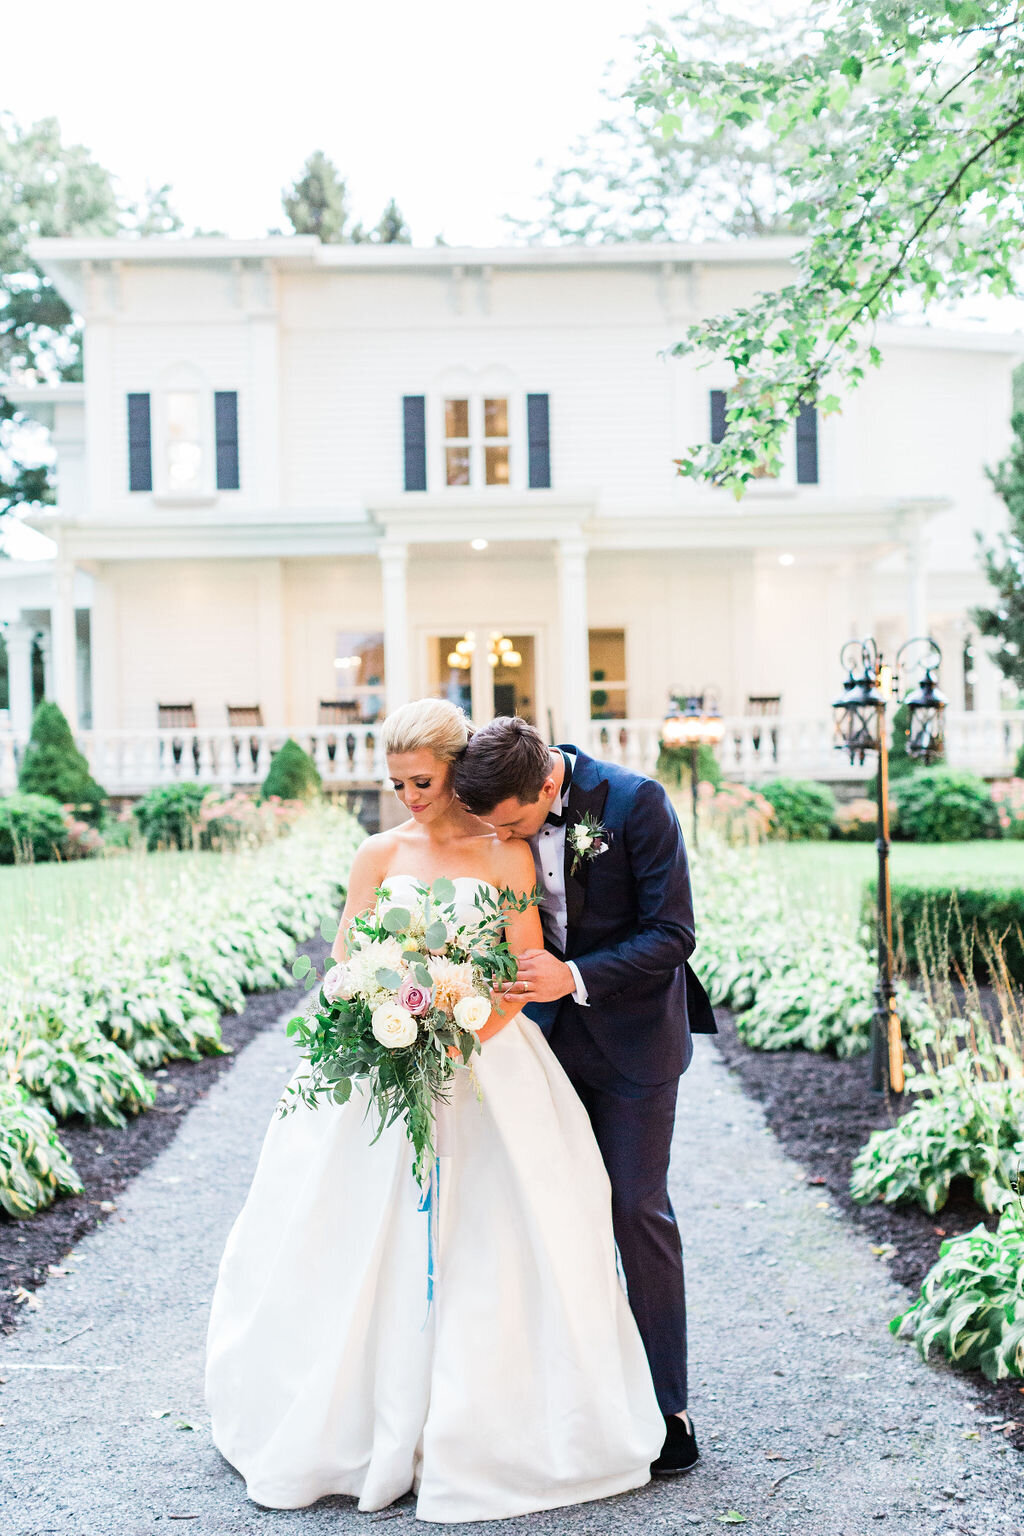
524,1386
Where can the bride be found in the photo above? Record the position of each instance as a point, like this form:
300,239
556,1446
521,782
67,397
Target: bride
524,1384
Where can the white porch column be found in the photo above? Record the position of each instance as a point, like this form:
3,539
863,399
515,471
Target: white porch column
917,577
18,640
574,719
394,560
62,638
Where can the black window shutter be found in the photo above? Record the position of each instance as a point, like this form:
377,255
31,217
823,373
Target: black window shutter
140,445
538,434
807,446
717,415
225,423
414,425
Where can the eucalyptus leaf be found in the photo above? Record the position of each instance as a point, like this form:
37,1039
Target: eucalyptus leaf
443,890
388,978
436,935
396,919
342,1091
328,929
302,965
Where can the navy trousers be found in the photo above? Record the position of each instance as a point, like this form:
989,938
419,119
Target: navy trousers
633,1126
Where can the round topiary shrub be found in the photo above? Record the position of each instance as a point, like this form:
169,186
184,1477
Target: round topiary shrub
940,805
803,809
54,766
168,816
292,775
32,829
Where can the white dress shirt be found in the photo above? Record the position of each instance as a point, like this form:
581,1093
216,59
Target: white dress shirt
548,848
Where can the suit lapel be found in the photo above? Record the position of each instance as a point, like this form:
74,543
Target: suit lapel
587,793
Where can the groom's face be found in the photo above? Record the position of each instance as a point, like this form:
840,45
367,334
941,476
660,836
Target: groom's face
510,818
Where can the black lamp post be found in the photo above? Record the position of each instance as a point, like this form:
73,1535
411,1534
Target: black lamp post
693,722
861,728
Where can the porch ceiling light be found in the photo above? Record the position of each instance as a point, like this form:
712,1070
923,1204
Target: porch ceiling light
478,544
787,559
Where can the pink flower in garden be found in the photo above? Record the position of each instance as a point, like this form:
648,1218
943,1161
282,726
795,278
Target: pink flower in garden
415,998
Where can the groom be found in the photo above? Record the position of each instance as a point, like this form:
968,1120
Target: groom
614,994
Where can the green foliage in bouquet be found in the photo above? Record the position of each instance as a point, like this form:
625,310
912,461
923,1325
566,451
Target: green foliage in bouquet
409,999
292,775
168,816
53,766
34,1164
971,1305
32,829
803,809
944,805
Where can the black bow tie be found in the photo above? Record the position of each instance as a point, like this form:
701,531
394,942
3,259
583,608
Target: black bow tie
551,820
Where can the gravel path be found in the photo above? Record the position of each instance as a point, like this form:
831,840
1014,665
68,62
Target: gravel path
813,1422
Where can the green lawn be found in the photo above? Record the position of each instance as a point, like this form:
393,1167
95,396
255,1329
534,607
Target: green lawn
48,901
836,872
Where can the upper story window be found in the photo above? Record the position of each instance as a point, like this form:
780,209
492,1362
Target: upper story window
476,441
183,442
799,453
195,435
476,436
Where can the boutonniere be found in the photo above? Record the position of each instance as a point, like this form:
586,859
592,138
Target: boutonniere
587,838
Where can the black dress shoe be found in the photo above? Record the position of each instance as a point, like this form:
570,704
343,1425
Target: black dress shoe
679,1453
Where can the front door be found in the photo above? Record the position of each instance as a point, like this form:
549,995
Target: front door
487,672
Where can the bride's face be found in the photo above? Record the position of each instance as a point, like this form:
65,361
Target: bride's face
423,784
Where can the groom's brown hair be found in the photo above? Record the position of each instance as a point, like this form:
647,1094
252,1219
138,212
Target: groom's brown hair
507,759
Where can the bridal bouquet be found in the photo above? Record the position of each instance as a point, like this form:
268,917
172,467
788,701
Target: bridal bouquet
405,1006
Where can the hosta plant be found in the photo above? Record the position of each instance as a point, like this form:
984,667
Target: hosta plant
34,1165
958,1128
76,1071
971,1306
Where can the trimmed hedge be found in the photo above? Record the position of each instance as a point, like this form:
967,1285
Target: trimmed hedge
996,910
32,829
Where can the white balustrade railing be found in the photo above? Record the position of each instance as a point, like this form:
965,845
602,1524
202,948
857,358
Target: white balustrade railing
753,749
756,748
131,762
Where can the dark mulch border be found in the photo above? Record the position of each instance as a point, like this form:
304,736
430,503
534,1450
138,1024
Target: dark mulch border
822,1110
107,1159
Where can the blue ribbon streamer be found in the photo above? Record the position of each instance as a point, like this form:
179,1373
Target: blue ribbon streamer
430,1204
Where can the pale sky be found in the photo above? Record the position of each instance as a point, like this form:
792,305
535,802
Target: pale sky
446,105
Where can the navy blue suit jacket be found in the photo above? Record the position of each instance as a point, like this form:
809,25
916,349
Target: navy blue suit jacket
630,928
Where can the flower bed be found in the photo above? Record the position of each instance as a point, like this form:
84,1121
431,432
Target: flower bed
80,1024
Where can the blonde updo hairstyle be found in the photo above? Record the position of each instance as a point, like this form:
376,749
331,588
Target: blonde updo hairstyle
427,725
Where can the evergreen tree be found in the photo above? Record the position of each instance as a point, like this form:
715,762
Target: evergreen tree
53,766
317,203
1004,565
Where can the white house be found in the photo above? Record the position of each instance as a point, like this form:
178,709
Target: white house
303,483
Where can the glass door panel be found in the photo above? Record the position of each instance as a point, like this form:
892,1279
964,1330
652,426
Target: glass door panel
514,672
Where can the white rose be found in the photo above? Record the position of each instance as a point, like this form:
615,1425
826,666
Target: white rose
472,1012
337,983
583,838
393,1025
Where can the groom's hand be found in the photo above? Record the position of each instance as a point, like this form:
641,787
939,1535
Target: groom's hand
541,978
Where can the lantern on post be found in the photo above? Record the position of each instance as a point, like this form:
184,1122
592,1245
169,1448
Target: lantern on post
926,706
861,728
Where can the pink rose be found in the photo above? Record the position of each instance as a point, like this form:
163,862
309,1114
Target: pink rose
415,998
